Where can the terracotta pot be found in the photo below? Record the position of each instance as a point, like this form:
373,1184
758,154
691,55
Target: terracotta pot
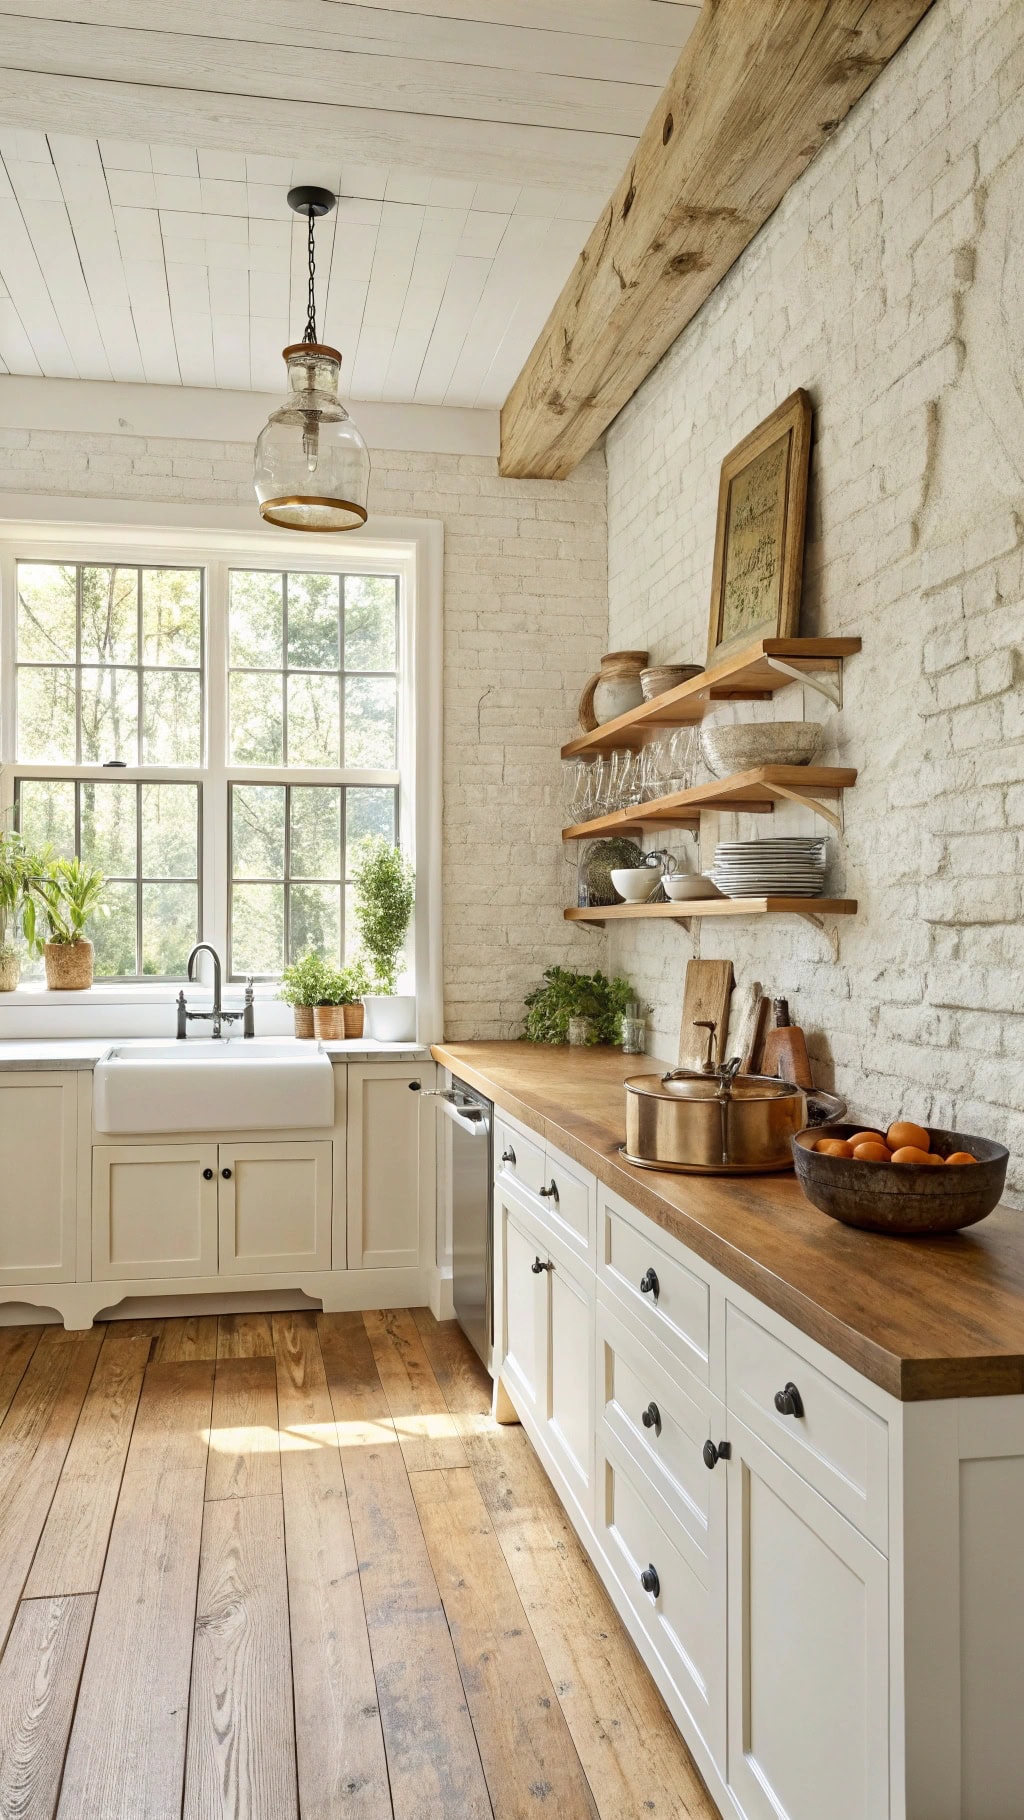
303,1015
614,689
69,965
329,1023
10,969
355,1016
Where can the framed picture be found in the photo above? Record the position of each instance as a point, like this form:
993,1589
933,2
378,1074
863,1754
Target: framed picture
759,542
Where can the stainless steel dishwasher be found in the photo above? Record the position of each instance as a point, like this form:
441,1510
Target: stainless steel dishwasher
471,1118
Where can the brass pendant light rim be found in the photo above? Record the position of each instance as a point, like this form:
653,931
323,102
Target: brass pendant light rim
312,499
311,347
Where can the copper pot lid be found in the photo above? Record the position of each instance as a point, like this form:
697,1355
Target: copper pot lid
693,1084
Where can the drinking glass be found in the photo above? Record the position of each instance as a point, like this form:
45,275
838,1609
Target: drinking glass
683,757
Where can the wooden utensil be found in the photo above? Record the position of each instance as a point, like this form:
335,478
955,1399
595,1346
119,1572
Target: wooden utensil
705,996
749,1020
785,1050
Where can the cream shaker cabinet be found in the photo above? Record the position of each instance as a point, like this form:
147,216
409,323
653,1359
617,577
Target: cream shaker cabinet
38,1194
203,1209
391,1164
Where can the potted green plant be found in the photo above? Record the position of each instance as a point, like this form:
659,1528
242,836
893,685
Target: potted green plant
567,998
385,885
16,868
304,985
68,893
340,1013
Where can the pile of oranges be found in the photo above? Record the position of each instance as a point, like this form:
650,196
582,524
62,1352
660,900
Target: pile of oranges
902,1143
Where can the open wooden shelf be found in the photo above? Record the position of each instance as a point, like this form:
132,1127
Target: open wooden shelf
716,906
748,676
746,792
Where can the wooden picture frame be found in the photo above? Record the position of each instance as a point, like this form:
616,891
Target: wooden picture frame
759,540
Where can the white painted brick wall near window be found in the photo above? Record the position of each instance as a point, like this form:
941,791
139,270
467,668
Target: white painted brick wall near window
525,614
888,283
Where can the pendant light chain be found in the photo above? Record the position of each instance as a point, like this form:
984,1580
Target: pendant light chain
310,334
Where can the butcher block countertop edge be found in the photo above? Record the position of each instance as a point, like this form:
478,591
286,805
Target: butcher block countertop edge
924,1319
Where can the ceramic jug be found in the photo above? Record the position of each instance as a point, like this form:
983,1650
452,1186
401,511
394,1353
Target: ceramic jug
614,689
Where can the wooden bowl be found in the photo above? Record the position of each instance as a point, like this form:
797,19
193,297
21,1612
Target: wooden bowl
904,1198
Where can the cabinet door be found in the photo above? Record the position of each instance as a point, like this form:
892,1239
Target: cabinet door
808,1649
390,1165
154,1210
524,1308
275,1207
570,1384
38,1132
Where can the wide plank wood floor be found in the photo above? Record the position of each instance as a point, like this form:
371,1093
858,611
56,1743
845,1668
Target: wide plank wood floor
285,1567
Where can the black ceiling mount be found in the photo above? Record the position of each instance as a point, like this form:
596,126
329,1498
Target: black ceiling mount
307,199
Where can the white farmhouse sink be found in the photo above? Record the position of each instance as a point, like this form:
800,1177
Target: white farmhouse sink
213,1086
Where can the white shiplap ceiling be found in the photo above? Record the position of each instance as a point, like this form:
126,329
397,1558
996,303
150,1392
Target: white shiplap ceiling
473,143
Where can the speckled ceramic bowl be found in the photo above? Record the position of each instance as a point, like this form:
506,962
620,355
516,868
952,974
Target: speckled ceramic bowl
908,1199
727,750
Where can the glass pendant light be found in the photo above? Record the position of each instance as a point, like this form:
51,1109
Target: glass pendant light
312,467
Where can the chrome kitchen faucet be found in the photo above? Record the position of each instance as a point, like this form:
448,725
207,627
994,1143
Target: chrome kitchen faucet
217,1015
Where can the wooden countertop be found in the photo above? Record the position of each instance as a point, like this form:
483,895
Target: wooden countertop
923,1318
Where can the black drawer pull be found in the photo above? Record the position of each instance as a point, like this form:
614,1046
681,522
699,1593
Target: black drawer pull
650,1582
540,1264
789,1402
713,1454
649,1284
651,1418
207,1175
226,1173
550,1193
509,1156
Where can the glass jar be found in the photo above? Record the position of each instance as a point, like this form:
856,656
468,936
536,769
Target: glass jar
634,1035
580,1032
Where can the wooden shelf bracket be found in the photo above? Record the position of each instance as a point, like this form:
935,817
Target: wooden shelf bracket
829,931
833,816
821,684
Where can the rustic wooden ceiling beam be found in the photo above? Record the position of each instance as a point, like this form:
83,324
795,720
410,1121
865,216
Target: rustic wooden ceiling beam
759,87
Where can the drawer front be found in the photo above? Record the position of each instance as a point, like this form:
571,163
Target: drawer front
661,1425
673,1305
684,1616
518,1158
571,1207
836,1444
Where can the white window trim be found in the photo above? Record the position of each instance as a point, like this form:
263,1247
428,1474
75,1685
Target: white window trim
84,530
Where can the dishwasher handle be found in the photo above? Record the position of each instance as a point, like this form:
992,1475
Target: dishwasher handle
469,1118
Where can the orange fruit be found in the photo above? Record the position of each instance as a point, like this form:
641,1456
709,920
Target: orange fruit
961,1156
903,1134
866,1137
933,1157
833,1147
910,1153
872,1151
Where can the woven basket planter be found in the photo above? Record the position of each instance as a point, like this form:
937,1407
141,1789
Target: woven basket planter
69,965
354,1018
10,971
329,1023
303,1015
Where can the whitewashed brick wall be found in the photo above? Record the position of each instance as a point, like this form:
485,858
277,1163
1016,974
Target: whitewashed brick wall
890,283
525,616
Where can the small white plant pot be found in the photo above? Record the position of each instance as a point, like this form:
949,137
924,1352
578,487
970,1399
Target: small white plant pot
391,1018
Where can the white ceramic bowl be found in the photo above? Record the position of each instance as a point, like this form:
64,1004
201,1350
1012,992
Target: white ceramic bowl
689,885
635,883
727,750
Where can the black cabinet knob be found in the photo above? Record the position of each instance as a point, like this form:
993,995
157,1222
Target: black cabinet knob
509,1156
649,1581
540,1264
649,1284
651,1418
207,1175
550,1193
789,1402
226,1173
713,1454
415,1086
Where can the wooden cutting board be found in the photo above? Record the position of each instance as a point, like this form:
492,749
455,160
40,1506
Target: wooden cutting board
706,994
748,1022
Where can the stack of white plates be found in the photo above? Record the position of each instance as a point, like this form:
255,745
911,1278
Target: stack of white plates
787,867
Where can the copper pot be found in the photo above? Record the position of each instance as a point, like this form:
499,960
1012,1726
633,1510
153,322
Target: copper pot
722,1123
